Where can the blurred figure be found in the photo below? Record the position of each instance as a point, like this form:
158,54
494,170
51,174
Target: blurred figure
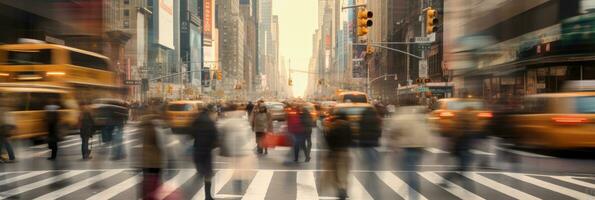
391,109
308,123
410,131
249,108
6,126
296,129
501,127
236,142
53,126
205,133
370,128
339,139
462,143
87,130
262,122
151,152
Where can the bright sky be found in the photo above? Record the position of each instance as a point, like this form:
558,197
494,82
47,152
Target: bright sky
297,23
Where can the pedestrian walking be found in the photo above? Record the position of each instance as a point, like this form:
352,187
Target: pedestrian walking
152,152
53,126
296,129
205,134
261,121
87,130
462,143
236,142
308,123
369,128
339,139
410,132
6,126
250,107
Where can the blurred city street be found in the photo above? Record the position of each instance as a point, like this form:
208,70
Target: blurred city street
375,174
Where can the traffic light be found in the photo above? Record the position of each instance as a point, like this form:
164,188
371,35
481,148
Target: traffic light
219,75
364,21
431,20
290,82
369,50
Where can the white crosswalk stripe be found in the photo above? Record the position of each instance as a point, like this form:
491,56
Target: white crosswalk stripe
80,185
117,189
259,185
514,193
397,185
549,186
38,184
31,183
454,189
306,186
21,177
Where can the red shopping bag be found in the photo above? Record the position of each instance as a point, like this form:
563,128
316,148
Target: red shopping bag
271,140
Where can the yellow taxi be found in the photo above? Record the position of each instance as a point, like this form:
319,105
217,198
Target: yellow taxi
180,114
352,97
445,111
355,113
26,103
557,121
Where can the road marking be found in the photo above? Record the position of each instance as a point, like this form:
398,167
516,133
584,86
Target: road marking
117,189
306,186
454,189
523,153
45,145
514,193
549,186
219,180
356,190
175,183
41,153
21,177
574,181
398,185
259,186
80,185
478,152
38,184
435,150
172,143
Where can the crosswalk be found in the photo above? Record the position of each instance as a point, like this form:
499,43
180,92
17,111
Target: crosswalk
291,184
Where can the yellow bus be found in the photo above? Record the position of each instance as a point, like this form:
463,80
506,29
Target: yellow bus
87,72
30,73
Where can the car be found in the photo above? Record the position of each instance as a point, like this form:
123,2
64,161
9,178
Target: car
355,114
352,97
180,114
556,121
277,110
445,111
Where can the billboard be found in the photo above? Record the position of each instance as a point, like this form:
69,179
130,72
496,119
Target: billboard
207,21
165,22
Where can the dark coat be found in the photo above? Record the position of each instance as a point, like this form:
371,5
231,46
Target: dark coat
370,129
340,137
52,118
87,125
205,133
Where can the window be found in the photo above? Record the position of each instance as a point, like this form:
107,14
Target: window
126,13
461,105
84,60
38,101
180,107
126,2
126,24
30,57
585,104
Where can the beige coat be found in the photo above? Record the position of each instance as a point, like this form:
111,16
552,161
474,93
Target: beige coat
410,130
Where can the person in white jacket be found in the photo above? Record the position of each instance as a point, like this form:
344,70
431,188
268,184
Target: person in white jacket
410,132
236,142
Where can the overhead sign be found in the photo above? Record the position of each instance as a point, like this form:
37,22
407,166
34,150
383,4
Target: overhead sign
423,40
165,23
132,82
207,21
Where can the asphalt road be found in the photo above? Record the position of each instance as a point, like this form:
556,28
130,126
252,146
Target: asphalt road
375,173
